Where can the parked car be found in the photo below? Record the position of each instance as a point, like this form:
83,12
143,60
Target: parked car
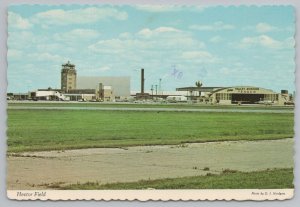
291,103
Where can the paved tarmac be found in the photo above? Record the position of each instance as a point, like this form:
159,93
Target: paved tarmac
36,170
277,111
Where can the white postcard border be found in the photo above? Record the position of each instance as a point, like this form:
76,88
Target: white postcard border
162,195
11,194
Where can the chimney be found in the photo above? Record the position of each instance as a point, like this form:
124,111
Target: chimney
101,91
142,81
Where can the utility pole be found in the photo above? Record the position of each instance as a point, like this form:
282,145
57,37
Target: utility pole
159,88
156,92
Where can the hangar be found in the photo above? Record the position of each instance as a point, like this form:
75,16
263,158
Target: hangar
237,95
247,95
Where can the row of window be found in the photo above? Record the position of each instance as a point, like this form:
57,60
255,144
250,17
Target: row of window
65,79
223,96
228,96
271,97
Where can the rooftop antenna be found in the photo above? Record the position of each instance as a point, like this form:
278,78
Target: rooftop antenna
159,86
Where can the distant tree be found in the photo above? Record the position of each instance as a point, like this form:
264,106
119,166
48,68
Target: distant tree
199,85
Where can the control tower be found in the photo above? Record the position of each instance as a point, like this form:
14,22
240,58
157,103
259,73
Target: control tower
68,77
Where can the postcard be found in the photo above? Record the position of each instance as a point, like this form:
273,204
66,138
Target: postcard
150,102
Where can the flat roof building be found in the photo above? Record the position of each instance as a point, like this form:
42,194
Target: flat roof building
120,85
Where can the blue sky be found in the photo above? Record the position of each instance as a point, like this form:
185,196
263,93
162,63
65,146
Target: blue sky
221,46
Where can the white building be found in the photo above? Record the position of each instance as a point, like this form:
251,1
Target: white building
120,85
49,95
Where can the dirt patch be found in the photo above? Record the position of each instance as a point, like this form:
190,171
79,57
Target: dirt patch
41,170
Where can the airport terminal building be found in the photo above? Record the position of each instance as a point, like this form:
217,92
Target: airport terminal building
82,88
94,88
117,88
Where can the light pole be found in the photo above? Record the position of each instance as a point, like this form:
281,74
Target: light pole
159,88
152,91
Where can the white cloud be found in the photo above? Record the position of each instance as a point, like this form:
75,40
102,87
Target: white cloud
25,39
14,54
153,48
216,26
196,55
290,42
18,22
84,33
216,39
147,33
264,27
156,8
111,46
93,68
125,35
238,64
225,71
78,16
104,68
267,42
159,39
46,57
167,8
50,47
77,35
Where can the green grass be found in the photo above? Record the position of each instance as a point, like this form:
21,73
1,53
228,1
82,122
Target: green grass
147,105
267,179
36,130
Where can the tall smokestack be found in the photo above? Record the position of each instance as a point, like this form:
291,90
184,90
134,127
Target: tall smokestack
142,81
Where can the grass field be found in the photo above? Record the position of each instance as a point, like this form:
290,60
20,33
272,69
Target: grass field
36,130
267,179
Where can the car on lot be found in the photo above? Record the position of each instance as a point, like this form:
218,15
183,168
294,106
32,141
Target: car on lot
289,103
